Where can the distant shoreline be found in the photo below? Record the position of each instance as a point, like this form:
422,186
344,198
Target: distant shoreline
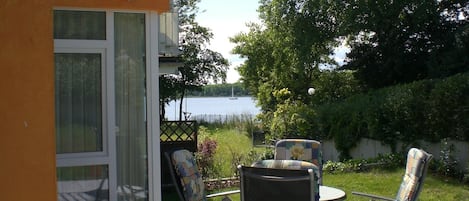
218,105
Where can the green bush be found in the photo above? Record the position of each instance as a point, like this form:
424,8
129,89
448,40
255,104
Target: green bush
382,161
292,118
429,110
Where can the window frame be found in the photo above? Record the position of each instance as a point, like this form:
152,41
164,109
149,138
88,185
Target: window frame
105,150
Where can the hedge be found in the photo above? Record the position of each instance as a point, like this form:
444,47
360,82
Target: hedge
428,110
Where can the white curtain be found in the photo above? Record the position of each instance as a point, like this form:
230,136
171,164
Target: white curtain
78,107
131,105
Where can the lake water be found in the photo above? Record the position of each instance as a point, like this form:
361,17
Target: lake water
212,106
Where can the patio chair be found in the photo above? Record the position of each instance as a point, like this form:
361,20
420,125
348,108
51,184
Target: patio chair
274,184
187,178
300,149
412,182
292,165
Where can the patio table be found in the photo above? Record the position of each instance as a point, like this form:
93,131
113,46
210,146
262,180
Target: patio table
327,193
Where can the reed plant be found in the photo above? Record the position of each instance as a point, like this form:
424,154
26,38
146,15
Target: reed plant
244,121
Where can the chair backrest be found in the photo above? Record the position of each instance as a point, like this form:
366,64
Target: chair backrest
292,165
276,184
185,175
416,169
300,149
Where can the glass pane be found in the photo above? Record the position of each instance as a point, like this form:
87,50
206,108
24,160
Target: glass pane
83,183
79,25
78,104
131,105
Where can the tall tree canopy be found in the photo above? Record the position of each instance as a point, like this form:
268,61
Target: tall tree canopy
284,54
405,40
390,42
200,65
296,37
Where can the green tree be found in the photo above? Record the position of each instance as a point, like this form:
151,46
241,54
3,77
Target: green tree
296,37
396,42
285,53
200,65
256,46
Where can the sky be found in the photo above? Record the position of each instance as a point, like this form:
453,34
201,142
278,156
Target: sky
226,18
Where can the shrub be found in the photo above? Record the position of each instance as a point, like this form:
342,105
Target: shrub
431,110
383,161
447,165
292,118
205,155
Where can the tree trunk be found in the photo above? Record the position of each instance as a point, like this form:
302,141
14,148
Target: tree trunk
180,104
162,110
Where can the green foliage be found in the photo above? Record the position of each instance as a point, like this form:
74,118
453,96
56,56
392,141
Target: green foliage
242,122
348,166
378,181
447,165
206,150
233,148
292,118
333,86
296,37
383,161
425,110
391,42
396,42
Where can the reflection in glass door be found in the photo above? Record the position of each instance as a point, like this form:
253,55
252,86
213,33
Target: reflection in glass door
78,102
79,126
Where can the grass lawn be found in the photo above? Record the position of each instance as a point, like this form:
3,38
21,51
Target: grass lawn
386,183
232,144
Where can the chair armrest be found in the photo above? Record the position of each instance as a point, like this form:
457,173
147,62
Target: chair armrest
226,193
373,197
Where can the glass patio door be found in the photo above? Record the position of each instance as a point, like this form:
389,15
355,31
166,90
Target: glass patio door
102,115
131,116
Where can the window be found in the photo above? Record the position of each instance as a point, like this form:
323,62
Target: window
85,25
78,102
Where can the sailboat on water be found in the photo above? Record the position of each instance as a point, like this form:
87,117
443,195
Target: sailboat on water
232,94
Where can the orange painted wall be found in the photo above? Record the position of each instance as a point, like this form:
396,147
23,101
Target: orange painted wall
27,133
27,158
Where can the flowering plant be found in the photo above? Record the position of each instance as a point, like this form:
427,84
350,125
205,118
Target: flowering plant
205,155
